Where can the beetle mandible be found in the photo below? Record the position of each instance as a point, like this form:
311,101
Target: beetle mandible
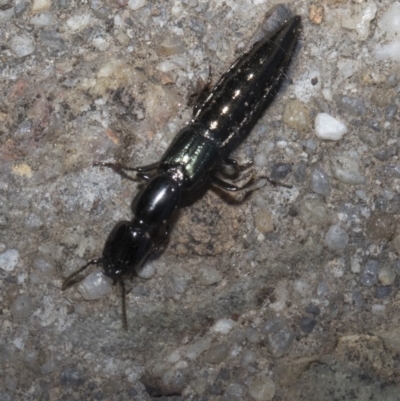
222,119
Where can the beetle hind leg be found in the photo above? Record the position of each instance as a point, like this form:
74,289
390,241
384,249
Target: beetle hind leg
141,171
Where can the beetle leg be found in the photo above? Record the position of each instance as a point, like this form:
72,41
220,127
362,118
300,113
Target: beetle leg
226,186
120,169
123,296
68,280
230,167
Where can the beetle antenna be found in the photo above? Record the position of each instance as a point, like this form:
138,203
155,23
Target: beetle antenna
124,319
68,280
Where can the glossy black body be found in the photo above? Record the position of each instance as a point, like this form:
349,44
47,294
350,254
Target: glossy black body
221,121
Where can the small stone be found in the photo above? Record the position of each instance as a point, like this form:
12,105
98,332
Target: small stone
307,324
6,15
392,170
22,45
316,15
196,349
22,307
300,171
43,267
216,354
359,18
351,105
52,39
41,5
262,389
248,358
49,367
345,167
264,221
42,20
136,4
78,23
223,326
370,138
235,391
280,342
382,291
336,238
94,286
280,171
147,271
296,115
313,309
20,6
174,357
320,182
252,335
386,275
382,226
72,377
33,222
209,275
329,128
369,275
9,260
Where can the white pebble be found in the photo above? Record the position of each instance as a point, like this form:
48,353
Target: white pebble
173,357
262,389
194,350
388,51
359,18
42,20
6,15
209,275
95,286
336,238
223,326
9,259
329,128
345,167
147,271
22,45
78,22
136,4
390,21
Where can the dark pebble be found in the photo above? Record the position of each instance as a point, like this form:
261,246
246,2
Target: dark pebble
383,291
307,324
313,309
280,171
300,171
385,154
351,105
380,204
72,377
390,111
374,125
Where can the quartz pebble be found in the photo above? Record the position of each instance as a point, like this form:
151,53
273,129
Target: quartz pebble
296,115
345,167
216,354
307,324
42,20
248,358
9,260
136,4
329,128
386,275
94,286
209,275
280,171
194,350
280,341
351,105
320,182
22,307
262,389
369,275
22,45
77,23
223,326
313,211
6,15
336,238
147,271
264,221
41,5
359,18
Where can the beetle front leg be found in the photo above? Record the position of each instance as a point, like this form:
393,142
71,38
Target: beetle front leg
120,169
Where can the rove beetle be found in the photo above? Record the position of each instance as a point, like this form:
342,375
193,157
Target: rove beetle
222,119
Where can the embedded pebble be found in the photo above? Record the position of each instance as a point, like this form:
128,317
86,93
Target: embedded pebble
136,4
170,45
33,222
41,5
216,354
351,105
313,309
42,20
6,15
235,391
280,341
279,171
264,221
223,326
22,307
382,291
79,22
296,115
386,275
336,238
43,267
392,170
252,335
307,324
94,286
209,275
174,357
381,226
248,358
329,128
262,389
370,138
22,45
369,275
9,259
359,18
194,350
320,183
20,6
147,271
345,167
389,22
52,39
49,367
72,377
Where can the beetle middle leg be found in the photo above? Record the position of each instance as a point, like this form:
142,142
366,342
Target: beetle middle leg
121,170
